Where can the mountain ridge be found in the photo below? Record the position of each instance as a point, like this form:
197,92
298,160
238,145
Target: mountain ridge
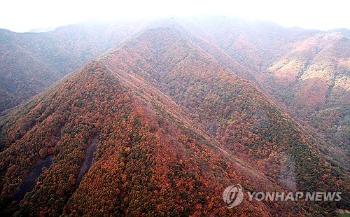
87,204
173,126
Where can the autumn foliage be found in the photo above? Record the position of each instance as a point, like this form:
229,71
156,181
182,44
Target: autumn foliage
172,129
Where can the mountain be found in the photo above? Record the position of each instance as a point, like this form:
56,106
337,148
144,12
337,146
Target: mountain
31,62
158,126
149,159
316,82
252,44
305,71
232,110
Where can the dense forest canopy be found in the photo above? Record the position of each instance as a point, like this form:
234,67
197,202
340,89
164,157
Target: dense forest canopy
145,119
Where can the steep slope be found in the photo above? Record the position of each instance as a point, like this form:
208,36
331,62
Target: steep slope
313,80
305,70
149,159
158,127
30,62
21,74
232,110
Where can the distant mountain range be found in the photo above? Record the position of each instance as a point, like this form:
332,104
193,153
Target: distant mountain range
30,62
157,119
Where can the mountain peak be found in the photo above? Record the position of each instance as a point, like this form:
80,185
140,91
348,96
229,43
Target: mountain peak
169,118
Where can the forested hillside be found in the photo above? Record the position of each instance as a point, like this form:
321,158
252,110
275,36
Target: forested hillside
157,119
31,62
150,159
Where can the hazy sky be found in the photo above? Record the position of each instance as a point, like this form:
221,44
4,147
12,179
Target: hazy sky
24,15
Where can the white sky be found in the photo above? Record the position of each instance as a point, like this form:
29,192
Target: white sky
24,15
